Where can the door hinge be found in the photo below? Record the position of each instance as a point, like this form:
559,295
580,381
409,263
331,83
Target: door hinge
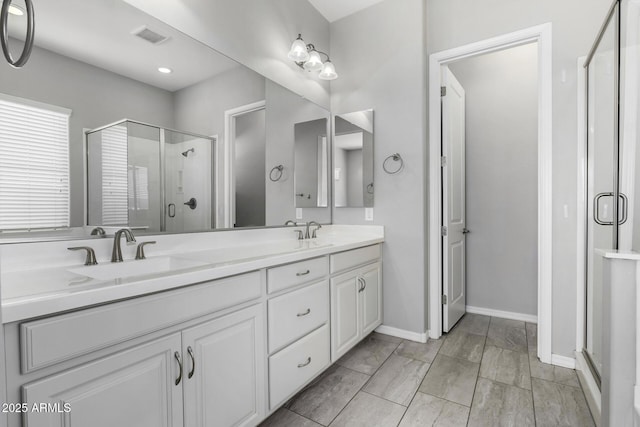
443,230
444,299
443,91
443,161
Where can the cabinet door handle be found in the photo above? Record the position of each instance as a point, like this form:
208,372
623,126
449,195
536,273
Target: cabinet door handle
303,274
302,365
364,283
193,362
177,356
361,282
305,313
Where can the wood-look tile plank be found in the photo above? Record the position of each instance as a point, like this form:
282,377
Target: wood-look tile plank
425,352
506,366
324,400
560,405
474,324
397,379
451,379
368,355
496,404
426,410
509,334
463,345
285,418
556,374
366,410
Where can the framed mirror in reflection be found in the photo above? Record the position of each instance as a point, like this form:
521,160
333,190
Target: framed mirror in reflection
353,160
187,150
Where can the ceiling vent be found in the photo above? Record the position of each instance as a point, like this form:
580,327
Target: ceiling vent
149,35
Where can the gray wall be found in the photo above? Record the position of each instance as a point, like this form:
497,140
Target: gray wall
380,53
452,23
501,178
255,33
250,169
97,97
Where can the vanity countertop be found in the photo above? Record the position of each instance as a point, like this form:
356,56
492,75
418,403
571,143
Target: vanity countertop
29,292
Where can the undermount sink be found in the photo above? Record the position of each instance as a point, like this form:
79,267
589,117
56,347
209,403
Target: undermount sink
136,268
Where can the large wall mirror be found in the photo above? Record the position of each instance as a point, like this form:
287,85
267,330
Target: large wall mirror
120,120
353,159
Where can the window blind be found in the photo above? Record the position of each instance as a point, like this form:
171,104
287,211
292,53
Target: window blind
34,165
114,176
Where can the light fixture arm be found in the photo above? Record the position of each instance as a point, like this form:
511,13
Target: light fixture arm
311,47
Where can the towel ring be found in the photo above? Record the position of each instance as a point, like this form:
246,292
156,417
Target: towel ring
396,157
278,172
4,34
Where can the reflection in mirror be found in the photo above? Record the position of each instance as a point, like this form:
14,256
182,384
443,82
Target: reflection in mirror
353,159
311,163
104,68
149,178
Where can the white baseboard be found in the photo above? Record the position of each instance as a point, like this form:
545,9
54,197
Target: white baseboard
563,361
404,334
503,314
590,388
636,404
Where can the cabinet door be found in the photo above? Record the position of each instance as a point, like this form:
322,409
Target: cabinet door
225,378
371,298
135,388
345,316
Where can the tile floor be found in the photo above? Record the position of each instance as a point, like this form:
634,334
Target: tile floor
483,373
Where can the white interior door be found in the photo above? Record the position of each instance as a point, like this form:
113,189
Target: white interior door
453,201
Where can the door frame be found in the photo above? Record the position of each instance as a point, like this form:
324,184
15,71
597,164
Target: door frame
226,189
542,35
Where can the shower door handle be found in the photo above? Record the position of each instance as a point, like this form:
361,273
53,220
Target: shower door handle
192,203
171,210
596,208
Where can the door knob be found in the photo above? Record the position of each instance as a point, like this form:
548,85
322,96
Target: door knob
465,231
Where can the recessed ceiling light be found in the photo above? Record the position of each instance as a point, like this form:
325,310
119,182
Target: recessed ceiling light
16,10
165,70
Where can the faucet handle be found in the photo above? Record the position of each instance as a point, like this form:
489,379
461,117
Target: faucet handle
300,234
315,230
91,255
140,250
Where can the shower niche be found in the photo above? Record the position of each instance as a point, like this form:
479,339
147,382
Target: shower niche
149,178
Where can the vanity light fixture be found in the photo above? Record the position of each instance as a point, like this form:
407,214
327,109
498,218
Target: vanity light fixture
165,70
306,56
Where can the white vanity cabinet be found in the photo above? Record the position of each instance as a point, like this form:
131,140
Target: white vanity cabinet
224,373
133,388
356,298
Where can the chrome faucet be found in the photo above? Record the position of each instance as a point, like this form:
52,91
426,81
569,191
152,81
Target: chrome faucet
99,231
116,255
309,225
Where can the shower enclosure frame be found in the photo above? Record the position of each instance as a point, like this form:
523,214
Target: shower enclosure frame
163,198
613,17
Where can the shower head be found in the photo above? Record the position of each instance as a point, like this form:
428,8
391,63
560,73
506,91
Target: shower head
185,153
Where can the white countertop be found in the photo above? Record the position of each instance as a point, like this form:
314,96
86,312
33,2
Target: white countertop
29,292
617,254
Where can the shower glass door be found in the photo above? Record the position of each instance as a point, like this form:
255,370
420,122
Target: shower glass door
603,213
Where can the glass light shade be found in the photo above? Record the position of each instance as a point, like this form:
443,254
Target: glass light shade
298,51
314,63
328,71
15,10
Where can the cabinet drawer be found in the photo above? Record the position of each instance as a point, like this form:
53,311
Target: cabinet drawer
292,367
286,276
58,338
354,258
297,313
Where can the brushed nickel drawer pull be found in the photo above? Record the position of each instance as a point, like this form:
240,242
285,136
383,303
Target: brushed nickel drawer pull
303,274
177,356
302,365
193,362
305,313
